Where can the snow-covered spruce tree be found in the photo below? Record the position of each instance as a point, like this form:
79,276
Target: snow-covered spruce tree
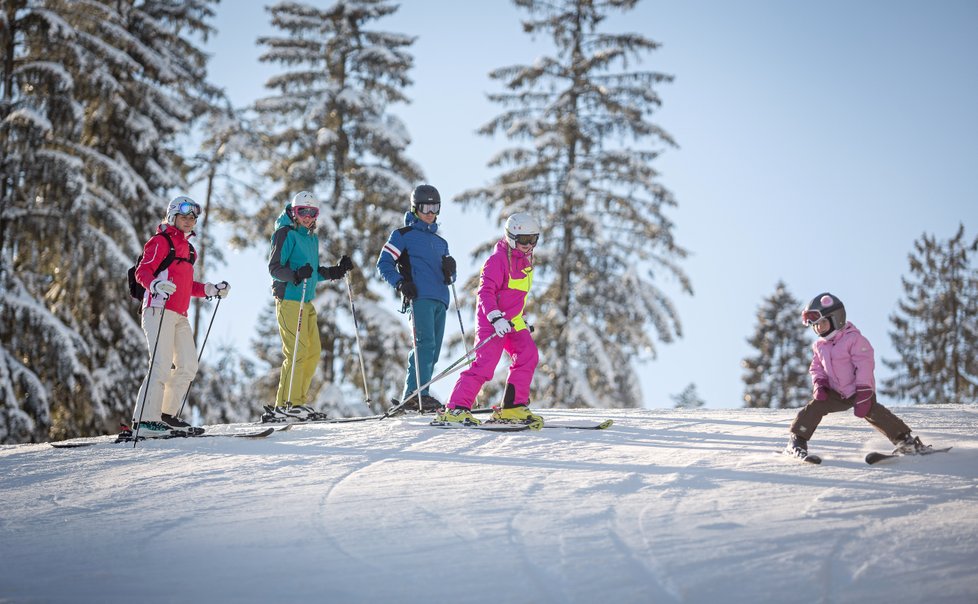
327,130
606,239
93,93
935,328
688,398
777,376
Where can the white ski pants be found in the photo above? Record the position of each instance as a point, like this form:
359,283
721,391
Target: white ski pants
175,366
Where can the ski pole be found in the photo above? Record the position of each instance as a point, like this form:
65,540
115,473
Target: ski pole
149,374
356,326
417,362
445,373
295,346
186,394
459,313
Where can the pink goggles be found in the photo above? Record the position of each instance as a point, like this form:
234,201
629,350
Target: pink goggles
306,212
810,317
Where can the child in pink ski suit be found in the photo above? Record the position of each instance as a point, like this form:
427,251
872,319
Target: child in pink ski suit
842,379
503,287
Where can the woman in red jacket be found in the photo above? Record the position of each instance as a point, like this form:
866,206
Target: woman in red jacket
165,303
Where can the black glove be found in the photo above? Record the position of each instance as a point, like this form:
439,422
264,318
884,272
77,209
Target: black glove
448,268
302,273
331,273
408,290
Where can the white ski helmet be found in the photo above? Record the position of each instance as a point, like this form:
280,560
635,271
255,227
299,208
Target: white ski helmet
521,225
181,205
304,199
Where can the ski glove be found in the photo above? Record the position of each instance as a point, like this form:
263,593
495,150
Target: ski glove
407,289
302,273
339,271
221,290
821,390
162,286
448,269
499,323
864,401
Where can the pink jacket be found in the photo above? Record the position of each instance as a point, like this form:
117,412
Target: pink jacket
844,360
504,284
180,271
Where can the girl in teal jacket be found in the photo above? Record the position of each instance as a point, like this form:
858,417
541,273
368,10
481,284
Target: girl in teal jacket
294,253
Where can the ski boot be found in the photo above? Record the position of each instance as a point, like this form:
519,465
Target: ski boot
517,414
457,415
430,404
269,415
178,424
300,413
910,445
797,447
512,413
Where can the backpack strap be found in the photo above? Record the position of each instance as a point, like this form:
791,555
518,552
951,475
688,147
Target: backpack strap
171,256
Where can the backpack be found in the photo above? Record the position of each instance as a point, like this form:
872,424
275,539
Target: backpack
136,290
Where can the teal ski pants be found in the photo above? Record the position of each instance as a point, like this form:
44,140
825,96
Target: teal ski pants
429,328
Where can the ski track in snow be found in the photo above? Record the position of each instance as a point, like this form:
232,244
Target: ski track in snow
667,506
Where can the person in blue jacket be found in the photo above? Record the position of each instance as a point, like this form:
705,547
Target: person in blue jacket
416,262
293,263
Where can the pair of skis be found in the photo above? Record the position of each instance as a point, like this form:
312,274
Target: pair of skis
871,458
505,427
126,436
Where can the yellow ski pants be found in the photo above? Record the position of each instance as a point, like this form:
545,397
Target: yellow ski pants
305,357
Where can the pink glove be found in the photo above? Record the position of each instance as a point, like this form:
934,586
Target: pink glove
821,390
864,400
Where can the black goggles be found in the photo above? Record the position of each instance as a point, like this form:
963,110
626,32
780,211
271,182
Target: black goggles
429,208
526,239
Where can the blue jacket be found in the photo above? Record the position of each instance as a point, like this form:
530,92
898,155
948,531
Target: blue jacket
293,245
417,246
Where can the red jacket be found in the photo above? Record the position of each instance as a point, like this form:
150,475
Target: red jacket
180,271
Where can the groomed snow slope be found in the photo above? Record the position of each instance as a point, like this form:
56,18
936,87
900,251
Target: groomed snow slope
665,506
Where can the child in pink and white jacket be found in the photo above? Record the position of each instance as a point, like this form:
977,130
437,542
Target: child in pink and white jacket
842,379
503,287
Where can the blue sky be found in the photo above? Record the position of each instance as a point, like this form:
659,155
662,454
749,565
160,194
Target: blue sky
817,142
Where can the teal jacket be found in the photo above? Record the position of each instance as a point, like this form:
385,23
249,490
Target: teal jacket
293,246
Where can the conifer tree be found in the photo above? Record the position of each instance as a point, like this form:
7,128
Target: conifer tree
327,129
93,96
688,398
606,239
777,376
935,327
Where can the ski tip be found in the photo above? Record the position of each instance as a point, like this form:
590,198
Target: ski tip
261,434
875,457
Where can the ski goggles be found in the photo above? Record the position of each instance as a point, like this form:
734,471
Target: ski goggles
189,207
306,212
810,317
429,208
526,239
